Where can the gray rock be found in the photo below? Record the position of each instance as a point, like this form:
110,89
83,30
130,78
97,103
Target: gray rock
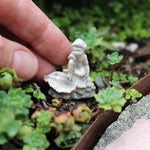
139,110
99,82
132,47
120,45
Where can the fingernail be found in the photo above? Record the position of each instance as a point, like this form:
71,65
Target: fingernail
25,65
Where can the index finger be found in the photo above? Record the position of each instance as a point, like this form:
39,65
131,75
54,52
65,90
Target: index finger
28,22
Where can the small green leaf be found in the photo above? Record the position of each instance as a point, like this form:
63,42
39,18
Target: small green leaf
39,95
121,102
132,79
117,108
3,139
108,45
128,96
28,88
105,106
13,128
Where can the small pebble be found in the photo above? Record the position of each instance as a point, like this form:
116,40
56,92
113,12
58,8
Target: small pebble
99,82
132,47
120,45
131,59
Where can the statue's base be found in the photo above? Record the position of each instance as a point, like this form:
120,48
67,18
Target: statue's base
78,94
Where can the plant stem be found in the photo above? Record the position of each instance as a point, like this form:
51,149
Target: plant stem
112,72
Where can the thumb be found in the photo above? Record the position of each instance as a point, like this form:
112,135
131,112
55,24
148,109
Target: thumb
16,56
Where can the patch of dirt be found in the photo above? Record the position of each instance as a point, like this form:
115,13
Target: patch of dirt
141,62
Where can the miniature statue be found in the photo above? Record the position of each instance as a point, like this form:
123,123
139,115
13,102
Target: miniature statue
74,82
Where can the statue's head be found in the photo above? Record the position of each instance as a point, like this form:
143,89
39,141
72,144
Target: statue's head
79,45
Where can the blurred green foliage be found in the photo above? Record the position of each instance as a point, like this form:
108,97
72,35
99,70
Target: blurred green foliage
14,107
30,128
35,141
125,19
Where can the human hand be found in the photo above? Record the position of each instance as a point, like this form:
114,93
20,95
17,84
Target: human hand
33,43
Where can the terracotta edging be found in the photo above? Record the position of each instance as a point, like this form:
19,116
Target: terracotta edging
91,135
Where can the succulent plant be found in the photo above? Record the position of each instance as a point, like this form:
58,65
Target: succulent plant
7,76
114,58
68,139
82,113
23,131
35,141
56,102
132,94
63,122
110,98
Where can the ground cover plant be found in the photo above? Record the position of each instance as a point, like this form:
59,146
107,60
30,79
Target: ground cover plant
31,119
38,120
28,123
125,19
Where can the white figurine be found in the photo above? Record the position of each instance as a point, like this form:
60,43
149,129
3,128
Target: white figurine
74,82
